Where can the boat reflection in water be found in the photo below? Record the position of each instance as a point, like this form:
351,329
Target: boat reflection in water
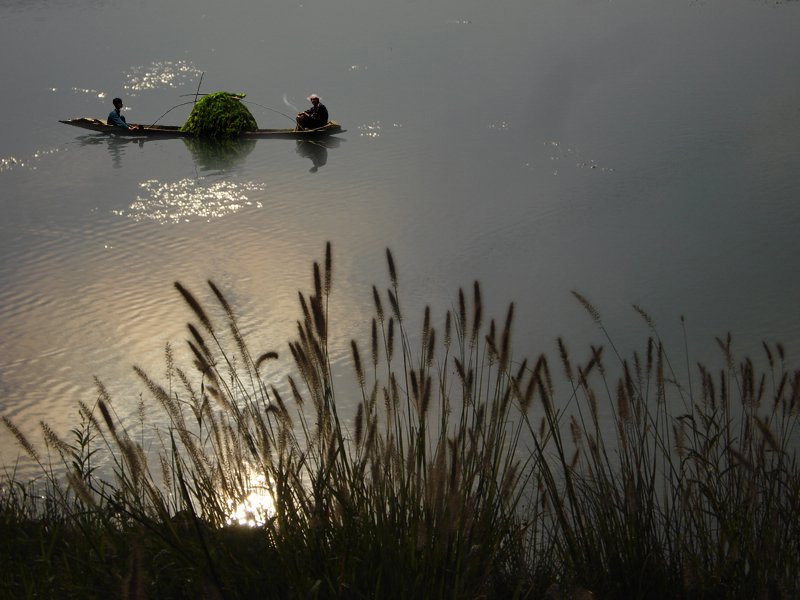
214,155
317,151
219,155
116,145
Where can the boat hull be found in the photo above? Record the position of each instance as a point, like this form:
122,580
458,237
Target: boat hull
173,131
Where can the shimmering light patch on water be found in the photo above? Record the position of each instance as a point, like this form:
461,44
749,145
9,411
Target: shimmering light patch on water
370,130
160,74
189,199
90,91
11,162
559,153
256,508
499,125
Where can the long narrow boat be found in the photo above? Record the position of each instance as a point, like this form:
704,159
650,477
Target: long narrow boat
173,131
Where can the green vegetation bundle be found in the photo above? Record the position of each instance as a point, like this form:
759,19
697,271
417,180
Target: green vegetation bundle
220,115
461,472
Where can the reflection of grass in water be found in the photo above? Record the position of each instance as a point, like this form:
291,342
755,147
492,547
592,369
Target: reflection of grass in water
461,473
219,155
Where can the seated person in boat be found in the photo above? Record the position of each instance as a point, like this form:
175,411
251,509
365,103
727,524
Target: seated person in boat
314,117
116,118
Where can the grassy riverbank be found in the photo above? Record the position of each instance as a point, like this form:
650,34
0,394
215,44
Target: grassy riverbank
464,472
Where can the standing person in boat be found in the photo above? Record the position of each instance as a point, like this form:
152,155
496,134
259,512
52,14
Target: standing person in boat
115,116
314,117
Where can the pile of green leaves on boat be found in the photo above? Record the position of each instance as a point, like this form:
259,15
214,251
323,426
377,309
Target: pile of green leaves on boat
220,116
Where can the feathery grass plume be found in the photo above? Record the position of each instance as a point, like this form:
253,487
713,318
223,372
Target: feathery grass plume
304,307
460,371
447,330
102,391
195,306
794,397
169,359
582,378
592,397
505,340
359,424
374,343
317,281
593,312
395,305
415,390
21,439
462,313
285,416
53,441
160,394
201,344
562,350
357,363
575,430
426,326
232,321
679,435
623,403
595,361
264,357
328,269
647,318
392,269
429,351
727,351
491,344
526,399
426,397
200,362
82,490
376,298
390,341
85,412
298,397
221,298
477,311
107,417
661,382
319,318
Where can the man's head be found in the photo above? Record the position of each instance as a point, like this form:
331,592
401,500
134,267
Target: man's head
117,103
314,99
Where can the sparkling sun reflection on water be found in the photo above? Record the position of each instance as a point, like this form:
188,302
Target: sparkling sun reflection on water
256,508
160,74
188,199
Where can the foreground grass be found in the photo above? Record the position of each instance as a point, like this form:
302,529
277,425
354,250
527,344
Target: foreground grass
462,473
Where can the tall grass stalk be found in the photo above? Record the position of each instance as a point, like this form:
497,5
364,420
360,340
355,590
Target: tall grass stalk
460,472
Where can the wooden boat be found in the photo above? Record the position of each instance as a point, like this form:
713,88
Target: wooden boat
173,131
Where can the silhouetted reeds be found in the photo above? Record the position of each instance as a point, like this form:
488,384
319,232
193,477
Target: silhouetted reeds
456,470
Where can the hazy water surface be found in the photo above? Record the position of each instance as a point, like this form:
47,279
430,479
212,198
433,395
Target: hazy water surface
640,152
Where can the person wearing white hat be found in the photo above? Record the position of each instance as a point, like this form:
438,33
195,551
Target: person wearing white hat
314,117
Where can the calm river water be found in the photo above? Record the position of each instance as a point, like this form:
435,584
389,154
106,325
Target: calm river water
641,152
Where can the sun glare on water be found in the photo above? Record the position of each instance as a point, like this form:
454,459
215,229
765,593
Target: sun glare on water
255,509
